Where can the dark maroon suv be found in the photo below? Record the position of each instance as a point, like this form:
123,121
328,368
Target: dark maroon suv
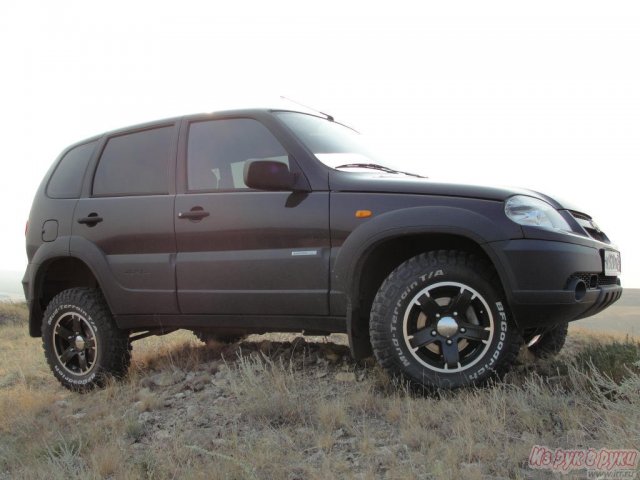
260,220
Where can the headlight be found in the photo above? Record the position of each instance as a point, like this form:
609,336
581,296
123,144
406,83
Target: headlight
535,213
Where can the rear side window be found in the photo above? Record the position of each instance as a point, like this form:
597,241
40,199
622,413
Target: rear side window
135,164
66,181
218,149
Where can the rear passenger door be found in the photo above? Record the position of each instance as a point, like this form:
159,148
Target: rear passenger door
126,220
245,251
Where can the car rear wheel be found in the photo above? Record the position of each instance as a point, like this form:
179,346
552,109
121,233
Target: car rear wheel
81,342
440,320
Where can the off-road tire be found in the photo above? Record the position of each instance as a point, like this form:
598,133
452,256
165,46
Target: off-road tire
485,349
209,337
550,342
108,349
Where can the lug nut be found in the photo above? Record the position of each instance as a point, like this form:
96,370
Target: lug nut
449,342
433,333
462,330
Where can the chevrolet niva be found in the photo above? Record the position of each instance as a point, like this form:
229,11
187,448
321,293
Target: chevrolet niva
261,220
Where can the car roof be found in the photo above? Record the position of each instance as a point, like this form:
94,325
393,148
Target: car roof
244,112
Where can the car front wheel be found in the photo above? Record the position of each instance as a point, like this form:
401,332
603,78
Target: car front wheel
547,342
440,320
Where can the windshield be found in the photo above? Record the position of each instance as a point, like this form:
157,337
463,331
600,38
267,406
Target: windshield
334,144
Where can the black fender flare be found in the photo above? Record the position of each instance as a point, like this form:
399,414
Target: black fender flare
32,279
70,247
63,247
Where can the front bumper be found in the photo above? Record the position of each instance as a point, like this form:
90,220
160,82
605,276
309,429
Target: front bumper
540,279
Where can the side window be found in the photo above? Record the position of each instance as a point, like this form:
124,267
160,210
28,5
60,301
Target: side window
66,181
135,164
218,149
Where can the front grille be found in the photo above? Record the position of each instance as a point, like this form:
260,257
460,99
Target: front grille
597,235
594,280
590,227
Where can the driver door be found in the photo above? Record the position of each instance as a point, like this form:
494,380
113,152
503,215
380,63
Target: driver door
245,251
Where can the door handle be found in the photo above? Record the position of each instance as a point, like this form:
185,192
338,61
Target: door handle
91,220
195,213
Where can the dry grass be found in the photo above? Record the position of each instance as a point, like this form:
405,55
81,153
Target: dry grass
13,313
270,409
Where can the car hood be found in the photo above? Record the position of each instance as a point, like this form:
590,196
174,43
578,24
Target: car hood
386,183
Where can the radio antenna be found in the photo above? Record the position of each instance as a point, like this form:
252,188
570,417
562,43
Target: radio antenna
329,117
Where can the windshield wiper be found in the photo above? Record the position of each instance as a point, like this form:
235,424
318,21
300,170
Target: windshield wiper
375,166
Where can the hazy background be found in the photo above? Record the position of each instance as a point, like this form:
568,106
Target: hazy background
544,95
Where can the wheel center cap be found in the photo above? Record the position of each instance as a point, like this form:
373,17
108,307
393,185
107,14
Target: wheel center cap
80,343
447,327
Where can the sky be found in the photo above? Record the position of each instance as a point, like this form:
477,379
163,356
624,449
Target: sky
543,95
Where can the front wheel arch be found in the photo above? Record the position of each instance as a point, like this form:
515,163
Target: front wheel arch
379,261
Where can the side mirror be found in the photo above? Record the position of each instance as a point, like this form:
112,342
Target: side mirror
268,175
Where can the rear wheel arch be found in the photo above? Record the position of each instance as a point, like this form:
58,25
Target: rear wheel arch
52,277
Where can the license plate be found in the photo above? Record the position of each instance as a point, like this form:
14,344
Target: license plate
612,263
